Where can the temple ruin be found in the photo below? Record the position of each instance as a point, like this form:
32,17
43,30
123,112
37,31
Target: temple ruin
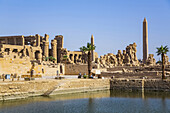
17,53
127,58
28,49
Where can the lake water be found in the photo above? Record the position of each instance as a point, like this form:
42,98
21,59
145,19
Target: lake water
92,102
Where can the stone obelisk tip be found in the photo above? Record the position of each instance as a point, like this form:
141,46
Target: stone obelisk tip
92,36
145,20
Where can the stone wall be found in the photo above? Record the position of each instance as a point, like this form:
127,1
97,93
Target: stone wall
82,85
22,66
131,74
10,66
73,69
52,70
140,84
25,89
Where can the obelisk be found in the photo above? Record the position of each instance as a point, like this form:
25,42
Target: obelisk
145,40
92,52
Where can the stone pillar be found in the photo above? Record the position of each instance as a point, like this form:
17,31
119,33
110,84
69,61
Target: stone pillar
46,49
75,58
23,41
46,38
92,52
60,43
54,49
15,41
6,40
37,39
145,40
46,46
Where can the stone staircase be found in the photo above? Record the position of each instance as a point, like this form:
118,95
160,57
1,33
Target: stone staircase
49,91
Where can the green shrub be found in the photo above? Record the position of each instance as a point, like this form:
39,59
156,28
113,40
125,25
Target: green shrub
50,58
84,76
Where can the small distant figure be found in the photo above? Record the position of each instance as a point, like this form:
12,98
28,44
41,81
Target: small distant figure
3,77
42,70
32,72
94,76
57,74
91,76
12,77
18,78
79,75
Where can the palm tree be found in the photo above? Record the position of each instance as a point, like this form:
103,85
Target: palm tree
162,51
83,49
65,58
89,48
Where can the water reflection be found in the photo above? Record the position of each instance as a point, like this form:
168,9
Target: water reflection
90,102
146,96
96,94
139,94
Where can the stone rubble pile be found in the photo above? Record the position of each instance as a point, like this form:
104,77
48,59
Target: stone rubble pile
127,58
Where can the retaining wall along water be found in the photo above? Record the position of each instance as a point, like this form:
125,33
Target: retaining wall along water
23,89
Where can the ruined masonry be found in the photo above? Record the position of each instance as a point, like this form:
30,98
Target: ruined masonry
127,58
19,53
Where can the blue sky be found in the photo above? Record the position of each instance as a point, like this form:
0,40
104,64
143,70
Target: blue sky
114,23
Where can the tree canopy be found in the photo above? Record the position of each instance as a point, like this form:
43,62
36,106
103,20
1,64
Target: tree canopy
88,48
162,50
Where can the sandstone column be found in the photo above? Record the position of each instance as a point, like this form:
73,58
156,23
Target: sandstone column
15,41
6,40
145,40
60,43
46,46
37,39
23,41
92,52
54,49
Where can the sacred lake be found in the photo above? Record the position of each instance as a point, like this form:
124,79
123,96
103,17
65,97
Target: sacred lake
107,101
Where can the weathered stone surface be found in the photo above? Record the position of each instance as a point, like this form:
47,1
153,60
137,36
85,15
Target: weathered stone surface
128,57
140,84
18,52
40,87
167,60
150,60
